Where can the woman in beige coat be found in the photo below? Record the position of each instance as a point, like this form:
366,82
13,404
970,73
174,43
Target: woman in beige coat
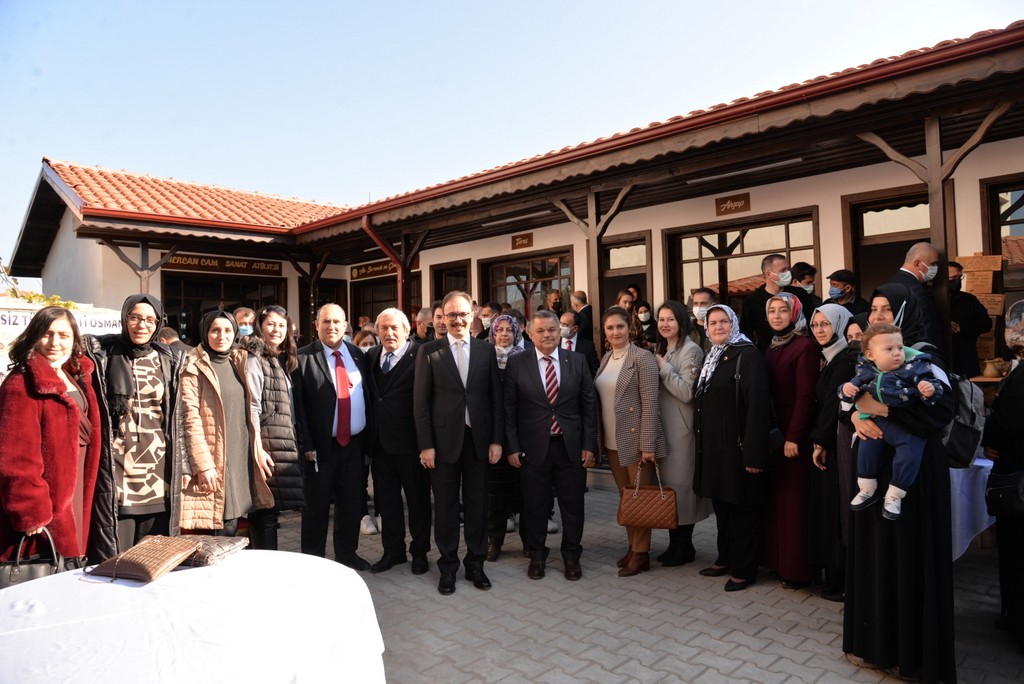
679,361
630,432
224,454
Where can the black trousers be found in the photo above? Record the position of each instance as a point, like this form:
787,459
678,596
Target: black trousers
338,477
740,537
393,474
263,529
132,528
467,474
569,478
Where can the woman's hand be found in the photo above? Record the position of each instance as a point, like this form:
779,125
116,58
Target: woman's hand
868,404
754,471
266,464
206,481
661,361
647,457
38,530
865,427
790,449
992,453
818,457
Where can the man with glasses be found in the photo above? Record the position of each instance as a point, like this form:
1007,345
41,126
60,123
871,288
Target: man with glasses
457,406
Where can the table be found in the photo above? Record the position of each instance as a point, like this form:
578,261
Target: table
258,616
967,503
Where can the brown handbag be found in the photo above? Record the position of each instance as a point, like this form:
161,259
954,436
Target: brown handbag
153,557
652,506
213,550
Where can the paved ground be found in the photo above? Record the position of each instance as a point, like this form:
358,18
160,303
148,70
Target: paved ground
666,625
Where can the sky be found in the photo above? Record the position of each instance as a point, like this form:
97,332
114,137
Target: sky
346,102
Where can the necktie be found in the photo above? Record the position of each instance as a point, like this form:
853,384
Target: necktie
463,364
387,362
551,386
568,345
344,434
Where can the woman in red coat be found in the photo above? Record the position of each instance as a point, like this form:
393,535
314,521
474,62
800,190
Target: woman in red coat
49,437
794,362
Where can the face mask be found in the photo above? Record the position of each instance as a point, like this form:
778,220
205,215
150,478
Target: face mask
954,285
566,332
486,322
644,317
809,289
59,363
244,330
854,346
835,292
700,312
931,272
785,278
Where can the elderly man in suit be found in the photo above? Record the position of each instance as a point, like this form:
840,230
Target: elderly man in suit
574,341
330,405
551,436
460,426
393,448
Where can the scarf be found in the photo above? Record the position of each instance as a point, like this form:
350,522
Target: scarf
716,351
797,322
904,308
503,353
205,326
120,375
839,316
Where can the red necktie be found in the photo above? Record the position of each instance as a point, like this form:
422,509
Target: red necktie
568,345
551,385
344,434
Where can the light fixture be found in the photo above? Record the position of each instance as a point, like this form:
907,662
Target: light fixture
728,174
513,219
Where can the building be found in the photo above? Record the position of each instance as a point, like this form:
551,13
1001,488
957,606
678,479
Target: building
843,171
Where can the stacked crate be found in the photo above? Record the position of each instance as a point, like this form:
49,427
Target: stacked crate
980,280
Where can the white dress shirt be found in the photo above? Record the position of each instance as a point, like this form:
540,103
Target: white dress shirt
357,411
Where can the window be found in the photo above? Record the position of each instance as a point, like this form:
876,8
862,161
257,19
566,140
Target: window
1007,214
523,282
187,297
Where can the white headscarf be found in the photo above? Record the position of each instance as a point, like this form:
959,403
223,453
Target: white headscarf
715,353
839,316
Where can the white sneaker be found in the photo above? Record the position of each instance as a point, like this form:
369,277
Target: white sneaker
891,508
367,527
552,526
510,525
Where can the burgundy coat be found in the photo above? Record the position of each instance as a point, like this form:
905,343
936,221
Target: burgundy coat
39,431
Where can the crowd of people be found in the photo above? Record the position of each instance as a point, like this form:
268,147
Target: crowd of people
789,421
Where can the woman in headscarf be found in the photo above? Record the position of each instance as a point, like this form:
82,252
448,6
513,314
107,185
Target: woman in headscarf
226,460
50,437
733,417
793,361
136,382
905,566
830,480
503,480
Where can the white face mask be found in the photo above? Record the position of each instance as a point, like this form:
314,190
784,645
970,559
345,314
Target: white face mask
644,317
932,271
700,312
808,288
785,278
566,332
486,322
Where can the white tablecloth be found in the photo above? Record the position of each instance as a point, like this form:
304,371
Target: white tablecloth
258,616
967,503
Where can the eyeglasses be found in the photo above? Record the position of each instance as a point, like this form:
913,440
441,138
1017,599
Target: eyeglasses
456,315
820,326
136,319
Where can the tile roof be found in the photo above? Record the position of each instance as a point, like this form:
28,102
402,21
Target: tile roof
105,192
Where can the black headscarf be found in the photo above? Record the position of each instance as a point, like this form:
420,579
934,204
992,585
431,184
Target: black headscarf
204,328
120,376
904,309
137,350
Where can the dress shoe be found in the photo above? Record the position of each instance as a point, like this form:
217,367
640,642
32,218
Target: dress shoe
478,578
493,551
714,571
353,561
673,558
733,585
638,562
446,586
536,569
420,565
388,561
625,559
573,571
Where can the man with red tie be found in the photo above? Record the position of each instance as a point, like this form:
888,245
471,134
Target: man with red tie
573,340
330,406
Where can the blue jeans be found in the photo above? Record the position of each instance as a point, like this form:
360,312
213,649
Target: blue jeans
905,463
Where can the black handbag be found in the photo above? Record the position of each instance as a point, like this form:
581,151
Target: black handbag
22,569
1004,494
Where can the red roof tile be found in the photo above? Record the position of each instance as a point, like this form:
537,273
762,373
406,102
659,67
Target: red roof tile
105,192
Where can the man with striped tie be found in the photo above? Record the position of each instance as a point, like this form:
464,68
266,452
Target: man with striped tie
551,436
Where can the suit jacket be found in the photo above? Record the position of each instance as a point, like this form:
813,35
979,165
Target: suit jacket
925,327
585,348
393,421
440,399
637,421
315,397
528,411
587,322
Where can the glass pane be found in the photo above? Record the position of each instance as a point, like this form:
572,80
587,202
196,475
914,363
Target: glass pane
691,280
765,239
744,275
710,272
805,255
897,220
1011,205
690,248
801,234
1013,255
630,256
706,253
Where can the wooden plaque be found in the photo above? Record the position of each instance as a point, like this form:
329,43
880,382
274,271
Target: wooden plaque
993,302
522,241
978,282
981,262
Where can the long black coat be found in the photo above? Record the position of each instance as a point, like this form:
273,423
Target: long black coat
729,441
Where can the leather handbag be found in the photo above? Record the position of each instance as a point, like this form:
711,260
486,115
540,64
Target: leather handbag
1004,494
153,557
652,506
213,550
22,568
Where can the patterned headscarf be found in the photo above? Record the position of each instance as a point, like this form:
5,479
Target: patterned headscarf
839,316
715,353
517,340
797,322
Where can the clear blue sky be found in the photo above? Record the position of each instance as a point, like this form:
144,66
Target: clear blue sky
345,102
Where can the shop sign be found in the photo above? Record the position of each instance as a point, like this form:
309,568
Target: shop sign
216,264
374,269
734,204
522,241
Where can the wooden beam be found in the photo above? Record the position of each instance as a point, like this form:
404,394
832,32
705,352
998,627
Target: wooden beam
573,218
143,270
915,168
949,166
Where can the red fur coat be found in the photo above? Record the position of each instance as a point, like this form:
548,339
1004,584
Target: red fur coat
39,434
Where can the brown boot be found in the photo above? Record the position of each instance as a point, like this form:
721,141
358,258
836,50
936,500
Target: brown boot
625,559
638,562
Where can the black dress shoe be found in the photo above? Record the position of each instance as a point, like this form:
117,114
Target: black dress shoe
714,571
673,558
536,569
478,578
732,585
353,561
387,562
573,571
420,565
447,584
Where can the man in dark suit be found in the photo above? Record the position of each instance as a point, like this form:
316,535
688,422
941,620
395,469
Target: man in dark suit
573,340
330,406
393,448
460,426
551,436
919,267
578,302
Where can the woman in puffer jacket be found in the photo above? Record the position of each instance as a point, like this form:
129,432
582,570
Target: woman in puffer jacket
228,466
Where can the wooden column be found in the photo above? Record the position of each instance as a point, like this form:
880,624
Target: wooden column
312,280
142,269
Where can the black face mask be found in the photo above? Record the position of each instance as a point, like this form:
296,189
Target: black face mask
854,346
955,284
